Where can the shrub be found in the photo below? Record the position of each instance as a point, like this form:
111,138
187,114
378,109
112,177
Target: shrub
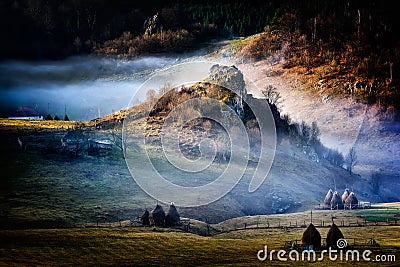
130,46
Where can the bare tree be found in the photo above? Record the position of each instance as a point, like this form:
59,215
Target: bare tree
314,133
351,160
273,97
151,95
123,141
119,140
76,141
116,138
335,157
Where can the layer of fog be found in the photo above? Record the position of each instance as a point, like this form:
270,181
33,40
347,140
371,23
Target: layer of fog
87,86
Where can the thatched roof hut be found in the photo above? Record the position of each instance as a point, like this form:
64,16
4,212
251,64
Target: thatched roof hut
157,216
336,201
351,202
145,218
327,200
172,218
345,194
311,238
334,234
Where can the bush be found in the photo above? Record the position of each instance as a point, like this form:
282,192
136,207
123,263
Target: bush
130,46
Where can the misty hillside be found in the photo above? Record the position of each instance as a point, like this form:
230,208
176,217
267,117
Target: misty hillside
346,119
300,157
49,185
328,71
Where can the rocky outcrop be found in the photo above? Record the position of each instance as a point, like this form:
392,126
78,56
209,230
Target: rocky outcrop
230,78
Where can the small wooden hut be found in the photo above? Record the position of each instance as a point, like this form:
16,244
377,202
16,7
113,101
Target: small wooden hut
311,238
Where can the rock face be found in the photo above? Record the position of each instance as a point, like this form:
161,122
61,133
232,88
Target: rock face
230,78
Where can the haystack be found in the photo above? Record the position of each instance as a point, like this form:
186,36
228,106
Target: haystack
345,194
172,218
145,218
336,201
351,201
334,234
311,238
157,216
327,200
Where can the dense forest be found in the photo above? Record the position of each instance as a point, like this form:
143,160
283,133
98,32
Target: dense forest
55,29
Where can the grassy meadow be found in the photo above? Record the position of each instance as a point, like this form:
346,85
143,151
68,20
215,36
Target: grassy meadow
146,247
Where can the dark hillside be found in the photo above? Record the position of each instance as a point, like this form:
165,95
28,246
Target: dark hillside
39,29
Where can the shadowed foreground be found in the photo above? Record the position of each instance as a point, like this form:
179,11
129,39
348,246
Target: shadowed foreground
144,247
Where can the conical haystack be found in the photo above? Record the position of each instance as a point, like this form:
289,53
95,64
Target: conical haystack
157,216
145,218
172,218
327,200
336,201
311,238
351,201
334,234
345,194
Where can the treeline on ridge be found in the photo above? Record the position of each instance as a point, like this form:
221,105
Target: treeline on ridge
55,29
